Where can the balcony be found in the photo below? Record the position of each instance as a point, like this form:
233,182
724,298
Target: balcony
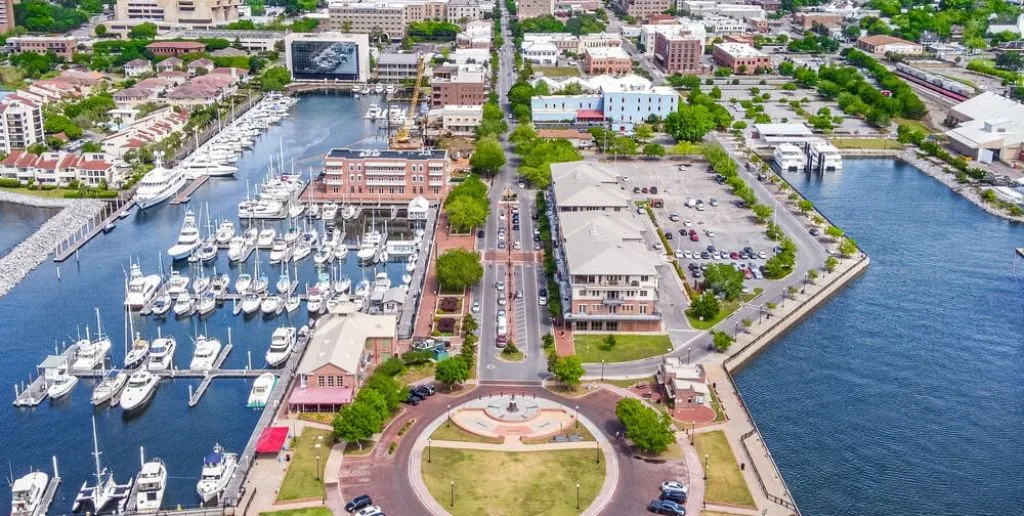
612,301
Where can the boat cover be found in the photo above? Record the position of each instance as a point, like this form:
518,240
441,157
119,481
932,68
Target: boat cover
213,458
272,439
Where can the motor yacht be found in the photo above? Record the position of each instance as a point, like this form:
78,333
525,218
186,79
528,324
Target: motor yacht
161,353
205,355
188,238
314,300
251,302
373,112
266,237
27,494
236,248
218,467
207,251
184,305
62,383
406,279
139,390
281,343
225,232
200,285
141,288
243,283
301,251
202,167
177,284
270,305
158,185
207,303
410,264
261,389
381,282
91,352
279,251
111,384
150,484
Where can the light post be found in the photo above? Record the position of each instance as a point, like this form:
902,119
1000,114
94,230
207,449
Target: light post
453,493
705,468
804,289
318,467
687,356
597,452
428,450
577,417
577,496
449,422
693,427
602,369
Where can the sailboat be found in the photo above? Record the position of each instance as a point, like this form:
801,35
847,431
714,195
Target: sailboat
112,383
92,352
106,491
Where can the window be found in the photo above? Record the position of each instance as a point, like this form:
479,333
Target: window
319,381
330,381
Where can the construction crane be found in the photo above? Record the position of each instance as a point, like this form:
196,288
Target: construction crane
403,137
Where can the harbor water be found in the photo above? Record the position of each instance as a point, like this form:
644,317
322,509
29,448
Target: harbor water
43,310
18,222
903,394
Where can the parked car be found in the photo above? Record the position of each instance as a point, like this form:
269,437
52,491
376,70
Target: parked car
673,495
696,273
658,246
734,255
480,234
542,301
709,233
747,274
688,223
673,217
693,266
500,285
705,255
815,232
694,237
370,511
762,255
501,244
713,201
413,399
683,231
654,189
666,507
636,189
757,273
668,236
424,390
688,255
358,503
517,246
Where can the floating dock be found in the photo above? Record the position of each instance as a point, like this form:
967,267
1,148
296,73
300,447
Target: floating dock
194,396
51,490
70,246
185,195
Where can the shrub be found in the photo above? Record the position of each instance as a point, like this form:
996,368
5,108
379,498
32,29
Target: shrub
449,304
446,325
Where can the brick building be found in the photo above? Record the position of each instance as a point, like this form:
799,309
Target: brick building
612,61
740,58
643,8
385,176
63,46
175,48
534,8
677,53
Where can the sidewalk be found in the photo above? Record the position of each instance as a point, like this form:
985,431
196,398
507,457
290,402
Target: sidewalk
513,444
445,241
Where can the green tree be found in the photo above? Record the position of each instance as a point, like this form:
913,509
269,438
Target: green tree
623,146
489,157
375,400
458,269
569,370
834,232
145,30
831,263
357,422
608,343
805,205
706,306
275,78
721,340
100,30
452,371
643,133
649,431
848,247
388,387
654,150
689,123
464,214
724,279
762,212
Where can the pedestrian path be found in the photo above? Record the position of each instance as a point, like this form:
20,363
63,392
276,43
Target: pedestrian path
513,444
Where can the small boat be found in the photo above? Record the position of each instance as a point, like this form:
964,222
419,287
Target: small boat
218,468
109,227
281,343
314,300
109,386
188,238
62,383
150,483
410,265
342,285
284,283
261,389
201,284
177,284
340,252
225,232
279,251
373,112
301,251
292,235
205,355
138,354
184,305
161,353
141,386
363,289
207,303
207,251
295,210
125,214
270,305
266,237
251,302
292,304
349,212
330,211
323,255
162,304
406,279
27,494
243,283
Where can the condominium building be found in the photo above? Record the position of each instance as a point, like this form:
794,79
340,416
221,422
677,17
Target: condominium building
62,46
385,176
679,27
6,15
465,86
178,12
741,58
461,120
390,17
540,52
678,52
608,273
58,168
534,8
612,61
599,40
395,67
21,123
643,8
719,25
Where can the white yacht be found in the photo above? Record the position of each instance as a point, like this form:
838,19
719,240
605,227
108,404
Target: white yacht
161,353
91,352
406,279
292,303
188,238
381,283
266,237
281,343
207,303
201,283
162,304
261,389
825,157
137,354
270,305
225,232
205,355
141,386
301,251
109,386
141,288
243,282
238,249
158,185
284,283
324,254
410,264
177,284
789,158
27,494
279,251
150,485
251,302
61,383
314,300
207,250
95,499
218,467
330,211
184,305
201,167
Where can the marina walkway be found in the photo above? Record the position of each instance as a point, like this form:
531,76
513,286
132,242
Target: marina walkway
407,319
69,247
185,194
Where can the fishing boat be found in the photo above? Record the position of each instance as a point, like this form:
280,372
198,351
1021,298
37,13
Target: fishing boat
62,383
150,485
251,302
27,494
95,499
184,305
141,386
92,351
270,305
162,304
281,343
205,355
111,384
266,237
314,300
207,303
161,353
188,238
177,284
218,467
141,288
261,389
225,232
158,185
284,283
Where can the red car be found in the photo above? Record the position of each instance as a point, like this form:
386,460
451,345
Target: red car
694,237
734,255
747,274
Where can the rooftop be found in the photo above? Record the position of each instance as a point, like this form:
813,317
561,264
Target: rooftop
340,340
398,58
180,45
882,39
607,53
347,153
740,50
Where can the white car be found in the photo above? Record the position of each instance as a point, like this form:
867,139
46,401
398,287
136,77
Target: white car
657,246
373,510
688,255
476,307
542,301
762,255
672,485
709,233
517,246
688,223
679,255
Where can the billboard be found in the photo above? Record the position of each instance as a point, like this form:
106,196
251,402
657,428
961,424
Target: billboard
330,60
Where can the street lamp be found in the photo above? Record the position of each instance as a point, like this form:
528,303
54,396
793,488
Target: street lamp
577,417
318,467
602,369
687,356
705,468
453,493
693,427
597,452
428,450
577,496
802,290
449,422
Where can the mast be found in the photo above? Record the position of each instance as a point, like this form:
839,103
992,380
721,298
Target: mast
96,456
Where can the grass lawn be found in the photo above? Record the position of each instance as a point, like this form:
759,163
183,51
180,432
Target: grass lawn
303,480
561,389
353,449
592,349
557,71
516,356
916,124
725,483
57,193
503,483
416,373
453,432
580,430
625,384
317,417
725,310
312,511
673,452
715,404
866,143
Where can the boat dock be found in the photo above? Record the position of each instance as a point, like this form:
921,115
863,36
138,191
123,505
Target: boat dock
51,490
36,391
185,195
70,246
194,396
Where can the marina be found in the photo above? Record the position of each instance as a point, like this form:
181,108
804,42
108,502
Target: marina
99,275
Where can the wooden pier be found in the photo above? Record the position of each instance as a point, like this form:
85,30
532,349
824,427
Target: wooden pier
193,398
70,246
48,494
185,195
31,395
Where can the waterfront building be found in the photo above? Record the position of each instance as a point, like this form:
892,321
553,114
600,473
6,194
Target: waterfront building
619,103
395,66
151,128
986,128
62,46
741,58
332,368
203,90
678,51
643,8
137,67
684,384
21,123
58,168
540,52
177,12
612,61
609,274
881,44
464,85
328,56
702,8
679,27
374,176
175,48
534,8
461,120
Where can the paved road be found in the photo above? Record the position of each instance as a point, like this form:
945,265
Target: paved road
694,346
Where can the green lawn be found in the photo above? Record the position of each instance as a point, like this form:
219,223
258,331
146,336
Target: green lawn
717,406
57,193
303,480
725,483
507,484
452,432
312,511
515,356
625,384
866,143
353,449
916,124
592,349
725,310
557,71
416,373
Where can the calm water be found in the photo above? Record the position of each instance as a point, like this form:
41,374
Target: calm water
903,394
42,310
18,222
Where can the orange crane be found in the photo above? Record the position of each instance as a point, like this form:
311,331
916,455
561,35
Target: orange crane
403,137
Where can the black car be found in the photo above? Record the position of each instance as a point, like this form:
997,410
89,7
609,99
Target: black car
693,266
666,507
815,232
674,495
748,250
413,399
423,391
358,503
668,236
711,249
696,273
515,227
705,255
636,189
480,234
654,189
543,292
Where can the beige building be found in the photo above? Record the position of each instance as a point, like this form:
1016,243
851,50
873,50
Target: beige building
21,123
741,58
62,46
6,15
881,44
391,17
461,120
643,8
178,12
383,176
535,8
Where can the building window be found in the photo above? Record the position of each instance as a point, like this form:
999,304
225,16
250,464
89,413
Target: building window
319,381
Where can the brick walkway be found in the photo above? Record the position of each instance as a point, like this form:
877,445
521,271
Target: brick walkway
563,341
445,241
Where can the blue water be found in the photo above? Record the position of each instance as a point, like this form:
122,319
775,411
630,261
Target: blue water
18,222
903,394
43,309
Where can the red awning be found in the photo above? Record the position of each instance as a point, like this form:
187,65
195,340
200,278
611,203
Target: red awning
313,396
589,114
272,439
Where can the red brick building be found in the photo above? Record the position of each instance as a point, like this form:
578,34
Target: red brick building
457,92
175,48
63,46
677,53
608,61
385,176
740,58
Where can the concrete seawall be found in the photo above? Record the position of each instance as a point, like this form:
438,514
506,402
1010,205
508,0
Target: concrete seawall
27,255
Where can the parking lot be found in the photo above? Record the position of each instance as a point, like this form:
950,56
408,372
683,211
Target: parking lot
693,203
